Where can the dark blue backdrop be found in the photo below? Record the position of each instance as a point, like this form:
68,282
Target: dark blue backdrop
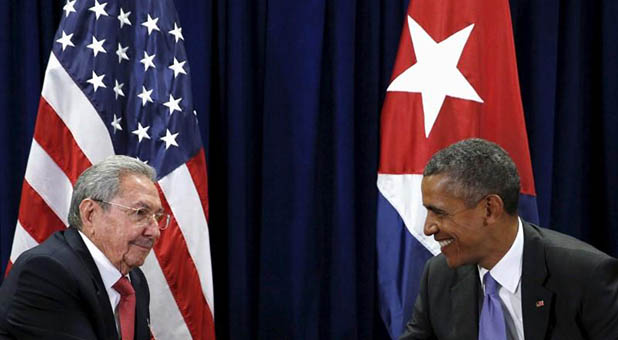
288,95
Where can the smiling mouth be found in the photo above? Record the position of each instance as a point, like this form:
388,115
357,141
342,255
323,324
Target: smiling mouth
444,243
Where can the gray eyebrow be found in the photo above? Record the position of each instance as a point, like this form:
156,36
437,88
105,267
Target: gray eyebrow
143,204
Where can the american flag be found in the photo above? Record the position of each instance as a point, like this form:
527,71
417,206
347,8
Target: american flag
117,82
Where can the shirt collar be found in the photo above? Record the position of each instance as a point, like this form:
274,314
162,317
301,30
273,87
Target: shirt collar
109,274
507,272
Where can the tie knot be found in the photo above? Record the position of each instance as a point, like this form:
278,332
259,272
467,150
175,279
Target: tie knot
124,287
491,285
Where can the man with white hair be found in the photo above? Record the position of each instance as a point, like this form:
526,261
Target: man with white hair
84,282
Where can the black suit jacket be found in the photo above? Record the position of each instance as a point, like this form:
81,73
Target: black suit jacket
569,291
55,291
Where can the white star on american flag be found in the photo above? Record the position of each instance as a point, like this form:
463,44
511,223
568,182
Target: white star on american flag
116,123
96,81
124,18
118,89
69,7
65,40
177,33
96,46
121,52
145,95
98,9
169,139
172,104
177,67
147,61
151,24
141,132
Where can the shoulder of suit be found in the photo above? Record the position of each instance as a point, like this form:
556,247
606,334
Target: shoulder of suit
55,246
58,252
565,249
45,264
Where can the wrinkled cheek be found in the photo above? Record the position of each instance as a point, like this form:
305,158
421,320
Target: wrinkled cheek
113,253
137,256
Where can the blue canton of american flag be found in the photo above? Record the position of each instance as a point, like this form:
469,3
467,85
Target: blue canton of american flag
129,59
117,82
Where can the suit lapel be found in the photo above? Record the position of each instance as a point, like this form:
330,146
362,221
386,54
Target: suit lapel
536,300
104,316
465,303
142,329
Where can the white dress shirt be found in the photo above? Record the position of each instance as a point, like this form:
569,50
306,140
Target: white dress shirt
109,274
507,272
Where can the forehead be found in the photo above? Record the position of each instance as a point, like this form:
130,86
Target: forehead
139,188
437,191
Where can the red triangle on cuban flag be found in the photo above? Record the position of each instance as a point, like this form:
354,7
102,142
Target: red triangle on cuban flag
455,77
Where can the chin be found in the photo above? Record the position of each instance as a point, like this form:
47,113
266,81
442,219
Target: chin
138,262
452,263
134,261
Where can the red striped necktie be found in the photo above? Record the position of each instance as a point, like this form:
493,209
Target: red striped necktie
126,307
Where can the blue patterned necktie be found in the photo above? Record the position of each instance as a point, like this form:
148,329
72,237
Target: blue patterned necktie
491,325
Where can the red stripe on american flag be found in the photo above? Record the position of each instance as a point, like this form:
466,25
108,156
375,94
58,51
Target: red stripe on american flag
182,277
197,169
35,216
57,140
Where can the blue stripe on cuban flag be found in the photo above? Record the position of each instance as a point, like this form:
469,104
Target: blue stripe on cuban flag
402,252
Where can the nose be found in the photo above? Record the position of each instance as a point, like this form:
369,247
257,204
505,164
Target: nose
152,228
430,227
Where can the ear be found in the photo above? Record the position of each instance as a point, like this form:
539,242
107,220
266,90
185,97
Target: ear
494,208
88,212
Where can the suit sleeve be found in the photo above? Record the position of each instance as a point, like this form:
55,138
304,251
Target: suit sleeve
600,306
45,303
419,327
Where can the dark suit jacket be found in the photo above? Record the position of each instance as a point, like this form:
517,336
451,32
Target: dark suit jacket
569,291
55,291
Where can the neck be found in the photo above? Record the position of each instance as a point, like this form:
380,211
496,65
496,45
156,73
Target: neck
500,240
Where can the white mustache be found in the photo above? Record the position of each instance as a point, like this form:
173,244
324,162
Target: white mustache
143,242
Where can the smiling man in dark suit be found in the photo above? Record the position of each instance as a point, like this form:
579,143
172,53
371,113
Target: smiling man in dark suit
84,282
500,277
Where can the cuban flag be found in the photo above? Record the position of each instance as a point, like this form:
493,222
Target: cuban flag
455,77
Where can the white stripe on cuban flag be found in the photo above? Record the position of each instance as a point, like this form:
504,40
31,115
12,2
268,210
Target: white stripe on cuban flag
403,192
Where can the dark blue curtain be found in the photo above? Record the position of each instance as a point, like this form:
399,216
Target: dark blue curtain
288,96
27,29
567,54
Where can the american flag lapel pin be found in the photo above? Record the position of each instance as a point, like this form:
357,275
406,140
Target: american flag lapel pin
540,304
